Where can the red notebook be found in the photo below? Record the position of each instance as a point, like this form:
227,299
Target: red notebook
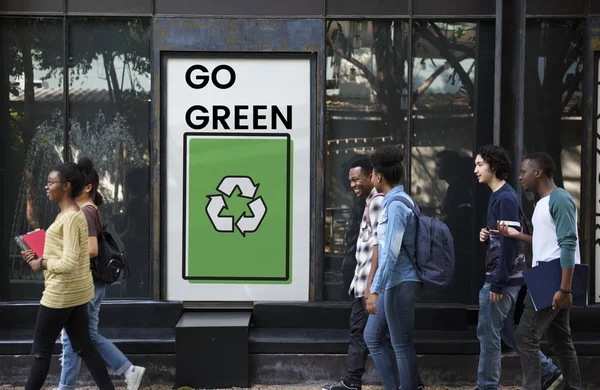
36,240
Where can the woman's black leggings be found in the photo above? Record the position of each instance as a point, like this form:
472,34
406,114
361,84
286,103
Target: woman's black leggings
47,328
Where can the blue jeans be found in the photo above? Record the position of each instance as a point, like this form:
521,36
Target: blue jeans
71,362
496,323
396,312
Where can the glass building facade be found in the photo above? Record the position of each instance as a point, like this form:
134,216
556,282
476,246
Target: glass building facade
435,78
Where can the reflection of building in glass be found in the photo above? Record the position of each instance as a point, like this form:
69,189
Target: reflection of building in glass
108,119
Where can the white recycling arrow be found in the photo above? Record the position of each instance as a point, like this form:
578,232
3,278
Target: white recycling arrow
213,209
250,224
244,183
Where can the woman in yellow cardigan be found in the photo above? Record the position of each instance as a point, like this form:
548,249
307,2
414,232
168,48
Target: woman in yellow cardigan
68,284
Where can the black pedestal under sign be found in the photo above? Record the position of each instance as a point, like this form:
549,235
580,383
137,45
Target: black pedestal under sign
212,349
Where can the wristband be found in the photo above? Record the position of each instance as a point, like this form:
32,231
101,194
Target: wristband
565,291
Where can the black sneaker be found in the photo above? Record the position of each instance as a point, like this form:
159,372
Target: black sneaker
553,382
342,385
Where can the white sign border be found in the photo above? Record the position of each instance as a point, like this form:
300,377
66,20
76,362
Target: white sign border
304,276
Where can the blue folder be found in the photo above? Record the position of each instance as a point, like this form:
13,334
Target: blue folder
544,280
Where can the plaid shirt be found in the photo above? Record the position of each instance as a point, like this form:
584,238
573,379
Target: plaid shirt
367,239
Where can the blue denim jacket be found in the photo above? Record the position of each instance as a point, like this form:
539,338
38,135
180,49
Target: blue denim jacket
397,231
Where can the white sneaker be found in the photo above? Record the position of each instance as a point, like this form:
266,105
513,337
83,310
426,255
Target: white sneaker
558,382
133,377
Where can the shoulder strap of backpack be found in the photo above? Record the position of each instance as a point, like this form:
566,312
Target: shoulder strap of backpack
412,207
97,211
99,220
417,214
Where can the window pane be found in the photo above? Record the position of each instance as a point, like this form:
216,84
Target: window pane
367,90
31,121
109,100
443,139
553,98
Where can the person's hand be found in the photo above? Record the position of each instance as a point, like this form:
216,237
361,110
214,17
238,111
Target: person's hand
367,294
28,255
495,298
372,303
506,231
484,234
562,300
36,265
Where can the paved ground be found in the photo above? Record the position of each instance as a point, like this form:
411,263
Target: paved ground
260,387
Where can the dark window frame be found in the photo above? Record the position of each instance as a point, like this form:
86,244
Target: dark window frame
41,7
331,9
376,9
456,9
78,7
241,9
543,9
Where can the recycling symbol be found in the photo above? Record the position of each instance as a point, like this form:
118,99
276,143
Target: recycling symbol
245,223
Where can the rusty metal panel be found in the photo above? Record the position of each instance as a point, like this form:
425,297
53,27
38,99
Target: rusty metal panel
238,8
338,8
239,34
454,8
556,7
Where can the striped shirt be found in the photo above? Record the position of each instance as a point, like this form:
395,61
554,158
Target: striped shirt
367,239
68,279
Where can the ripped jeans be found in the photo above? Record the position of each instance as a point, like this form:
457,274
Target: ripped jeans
71,363
48,324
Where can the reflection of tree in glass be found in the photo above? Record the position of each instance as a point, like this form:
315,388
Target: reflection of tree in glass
113,150
390,47
450,42
554,71
31,44
32,209
111,146
107,40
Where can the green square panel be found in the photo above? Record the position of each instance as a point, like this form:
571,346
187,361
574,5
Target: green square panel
237,207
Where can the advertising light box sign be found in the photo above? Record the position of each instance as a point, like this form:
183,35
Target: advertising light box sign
237,133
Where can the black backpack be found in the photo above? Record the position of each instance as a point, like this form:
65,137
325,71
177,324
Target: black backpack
111,262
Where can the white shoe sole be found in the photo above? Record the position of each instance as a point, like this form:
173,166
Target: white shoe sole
139,378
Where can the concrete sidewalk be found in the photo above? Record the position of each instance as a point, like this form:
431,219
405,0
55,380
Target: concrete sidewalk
262,387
